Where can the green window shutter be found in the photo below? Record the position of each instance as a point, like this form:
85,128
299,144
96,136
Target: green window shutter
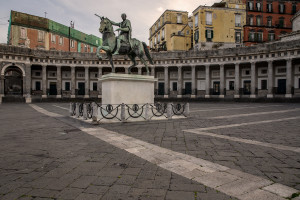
92,48
212,34
79,47
205,33
249,36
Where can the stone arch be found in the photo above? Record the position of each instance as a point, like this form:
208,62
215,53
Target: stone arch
12,65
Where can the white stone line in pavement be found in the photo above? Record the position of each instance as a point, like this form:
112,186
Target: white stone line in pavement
238,108
243,124
42,110
252,114
61,107
229,181
254,142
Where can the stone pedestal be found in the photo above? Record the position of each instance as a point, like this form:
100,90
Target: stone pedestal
127,89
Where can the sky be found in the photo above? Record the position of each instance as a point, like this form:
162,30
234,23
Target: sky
141,13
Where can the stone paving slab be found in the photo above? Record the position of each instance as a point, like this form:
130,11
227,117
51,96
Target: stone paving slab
45,158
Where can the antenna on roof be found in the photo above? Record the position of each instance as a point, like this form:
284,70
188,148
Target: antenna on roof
45,14
72,24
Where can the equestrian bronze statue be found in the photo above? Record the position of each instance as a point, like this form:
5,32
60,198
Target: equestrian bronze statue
123,44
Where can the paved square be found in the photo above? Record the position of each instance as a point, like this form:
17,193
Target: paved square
222,151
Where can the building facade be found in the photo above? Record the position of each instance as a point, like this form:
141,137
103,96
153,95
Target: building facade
267,20
219,26
171,32
261,71
41,33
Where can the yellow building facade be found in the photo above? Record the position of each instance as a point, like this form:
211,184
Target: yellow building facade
220,25
172,31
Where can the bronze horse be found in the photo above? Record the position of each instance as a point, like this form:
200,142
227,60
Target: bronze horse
138,49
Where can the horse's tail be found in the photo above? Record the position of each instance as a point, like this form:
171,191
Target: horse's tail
147,53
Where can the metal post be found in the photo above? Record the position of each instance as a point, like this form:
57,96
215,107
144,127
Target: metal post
71,109
123,112
84,111
147,112
186,109
77,110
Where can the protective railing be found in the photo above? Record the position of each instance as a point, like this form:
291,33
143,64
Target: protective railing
128,112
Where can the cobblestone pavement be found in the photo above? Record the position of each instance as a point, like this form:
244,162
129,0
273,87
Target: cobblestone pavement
53,157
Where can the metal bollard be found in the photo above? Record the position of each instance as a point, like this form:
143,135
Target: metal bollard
95,111
84,111
71,109
123,112
186,110
169,110
77,110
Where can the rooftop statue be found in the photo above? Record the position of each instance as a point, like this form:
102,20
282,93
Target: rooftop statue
123,44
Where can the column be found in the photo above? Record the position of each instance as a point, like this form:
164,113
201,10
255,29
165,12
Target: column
73,82
99,83
27,78
86,82
58,76
207,81
2,86
270,79
126,70
140,70
289,78
193,82
237,81
179,83
222,81
166,93
44,75
253,80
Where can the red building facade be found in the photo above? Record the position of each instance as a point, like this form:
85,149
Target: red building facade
267,19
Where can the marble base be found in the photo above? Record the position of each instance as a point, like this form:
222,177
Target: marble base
253,96
73,96
288,95
58,96
179,96
236,96
86,96
207,96
44,96
127,89
166,96
270,96
221,96
193,96
99,96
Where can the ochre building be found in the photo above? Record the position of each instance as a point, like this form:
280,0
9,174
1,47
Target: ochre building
220,25
171,32
41,33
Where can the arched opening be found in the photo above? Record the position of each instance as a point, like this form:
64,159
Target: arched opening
13,84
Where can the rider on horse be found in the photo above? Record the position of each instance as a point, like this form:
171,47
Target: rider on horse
125,35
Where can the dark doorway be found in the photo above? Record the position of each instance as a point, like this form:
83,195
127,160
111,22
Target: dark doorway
161,88
216,88
188,87
281,86
13,84
247,87
53,89
81,88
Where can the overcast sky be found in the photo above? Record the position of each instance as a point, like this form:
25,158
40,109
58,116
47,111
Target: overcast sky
141,13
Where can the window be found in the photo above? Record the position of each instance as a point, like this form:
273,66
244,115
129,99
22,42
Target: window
174,86
81,75
281,8
237,37
263,84
269,21
94,86
294,9
196,36
156,27
258,21
263,71
67,86
269,7
85,48
259,6
231,85
37,73
53,38
163,34
179,18
196,20
250,5
208,18
281,70
158,23
61,40
251,20
163,19
37,85
281,22
158,38
259,36
251,36
95,75
271,36
23,33
209,35
247,72
72,43
151,44
155,40
187,32
238,20
52,74
41,36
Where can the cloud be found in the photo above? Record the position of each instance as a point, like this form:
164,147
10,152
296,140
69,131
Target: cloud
141,13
